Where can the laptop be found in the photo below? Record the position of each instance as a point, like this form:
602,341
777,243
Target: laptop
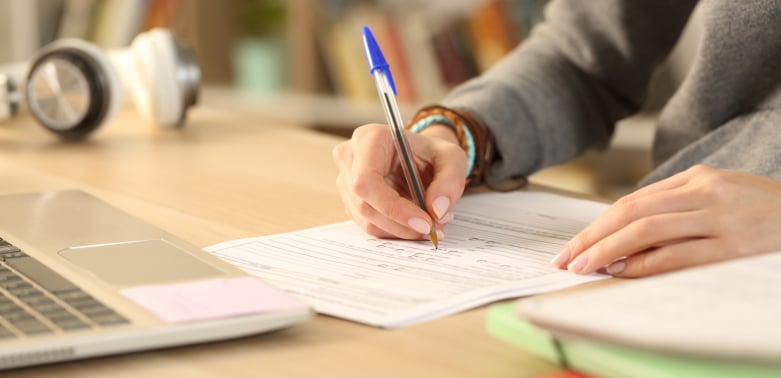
80,278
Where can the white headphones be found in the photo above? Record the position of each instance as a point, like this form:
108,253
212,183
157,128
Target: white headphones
72,87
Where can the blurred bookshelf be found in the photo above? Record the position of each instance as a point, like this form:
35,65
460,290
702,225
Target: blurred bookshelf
431,45
300,62
295,48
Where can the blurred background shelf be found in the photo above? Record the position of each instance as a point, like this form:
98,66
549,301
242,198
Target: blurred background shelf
300,62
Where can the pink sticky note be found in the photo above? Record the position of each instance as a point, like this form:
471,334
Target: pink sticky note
211,299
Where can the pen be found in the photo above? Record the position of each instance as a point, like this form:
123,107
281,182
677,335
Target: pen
380,70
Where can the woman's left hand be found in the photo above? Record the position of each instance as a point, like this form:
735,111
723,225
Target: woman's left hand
699,216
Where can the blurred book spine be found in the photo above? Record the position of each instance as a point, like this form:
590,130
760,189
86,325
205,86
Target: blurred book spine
19,30
76,19
493,33
160,14
341,47
116,22
431,46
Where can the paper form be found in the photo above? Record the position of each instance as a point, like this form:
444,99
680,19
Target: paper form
498,246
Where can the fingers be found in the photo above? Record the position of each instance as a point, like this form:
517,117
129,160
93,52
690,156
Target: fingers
372,186
368,199
369,183
619,217
652,232
699,216
371,221
684,254
654,215
636,235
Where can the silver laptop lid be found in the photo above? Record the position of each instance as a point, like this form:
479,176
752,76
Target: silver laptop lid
81,278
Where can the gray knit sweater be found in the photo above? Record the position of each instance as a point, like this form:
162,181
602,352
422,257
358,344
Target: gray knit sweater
588,65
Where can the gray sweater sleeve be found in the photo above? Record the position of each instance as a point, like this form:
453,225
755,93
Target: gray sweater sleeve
562,90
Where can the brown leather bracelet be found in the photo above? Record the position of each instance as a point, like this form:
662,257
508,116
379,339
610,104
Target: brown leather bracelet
482,137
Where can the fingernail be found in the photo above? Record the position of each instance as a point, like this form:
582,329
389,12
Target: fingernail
447,218
440,235
561,258
616,267
578,264
419,225
440,205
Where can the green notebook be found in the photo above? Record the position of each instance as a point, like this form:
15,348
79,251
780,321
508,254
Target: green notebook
607,360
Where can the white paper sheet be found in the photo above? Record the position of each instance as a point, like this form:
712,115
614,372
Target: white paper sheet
730,309
498,246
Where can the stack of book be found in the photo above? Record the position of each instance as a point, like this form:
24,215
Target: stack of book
713,321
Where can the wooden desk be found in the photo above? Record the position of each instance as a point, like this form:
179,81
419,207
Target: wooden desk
226,176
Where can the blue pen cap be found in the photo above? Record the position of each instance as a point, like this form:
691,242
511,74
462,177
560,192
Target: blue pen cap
375,58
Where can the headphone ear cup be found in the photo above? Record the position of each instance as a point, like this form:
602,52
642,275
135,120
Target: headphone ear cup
157,94
72,88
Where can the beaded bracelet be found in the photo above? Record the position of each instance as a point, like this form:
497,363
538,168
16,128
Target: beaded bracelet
438,119
473,137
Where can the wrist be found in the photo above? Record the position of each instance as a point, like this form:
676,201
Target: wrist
471,134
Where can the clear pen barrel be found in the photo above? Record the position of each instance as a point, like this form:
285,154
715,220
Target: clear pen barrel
393,116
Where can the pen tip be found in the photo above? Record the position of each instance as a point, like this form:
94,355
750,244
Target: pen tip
433,236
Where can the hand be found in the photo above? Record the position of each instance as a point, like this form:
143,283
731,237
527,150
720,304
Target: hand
375,192
699,216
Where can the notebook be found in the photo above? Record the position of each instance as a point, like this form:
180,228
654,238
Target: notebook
80,278
604,359
725,310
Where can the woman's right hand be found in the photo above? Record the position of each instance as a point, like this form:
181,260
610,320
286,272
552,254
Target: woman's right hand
375,192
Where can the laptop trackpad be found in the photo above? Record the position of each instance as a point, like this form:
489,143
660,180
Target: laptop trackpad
140,262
